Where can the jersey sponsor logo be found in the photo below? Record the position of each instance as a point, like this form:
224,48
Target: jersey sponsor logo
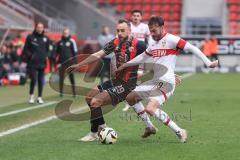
163,52
159,53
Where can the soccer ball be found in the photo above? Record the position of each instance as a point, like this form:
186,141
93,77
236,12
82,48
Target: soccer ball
107,136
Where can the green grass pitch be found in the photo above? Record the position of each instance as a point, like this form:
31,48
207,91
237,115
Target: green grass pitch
207,105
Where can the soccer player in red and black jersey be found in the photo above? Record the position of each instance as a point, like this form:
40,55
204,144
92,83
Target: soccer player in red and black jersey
114,91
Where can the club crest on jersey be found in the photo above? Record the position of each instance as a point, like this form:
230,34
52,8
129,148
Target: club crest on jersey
131,49
44,39
164,43
67,44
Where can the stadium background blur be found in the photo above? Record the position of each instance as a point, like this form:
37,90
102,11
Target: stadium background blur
193,20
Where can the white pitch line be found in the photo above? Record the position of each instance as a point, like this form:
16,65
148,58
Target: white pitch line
27,109
10,131
14,130
186,75
25,126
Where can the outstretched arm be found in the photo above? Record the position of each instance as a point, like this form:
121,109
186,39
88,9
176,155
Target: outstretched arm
136,61
190,48
93,57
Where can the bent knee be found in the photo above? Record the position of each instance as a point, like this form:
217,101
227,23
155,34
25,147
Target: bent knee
90,96
132,99
95,102
150,110
88,99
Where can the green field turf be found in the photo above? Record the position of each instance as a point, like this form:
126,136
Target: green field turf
207,105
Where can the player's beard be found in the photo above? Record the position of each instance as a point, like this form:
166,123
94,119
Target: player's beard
123,39
156,38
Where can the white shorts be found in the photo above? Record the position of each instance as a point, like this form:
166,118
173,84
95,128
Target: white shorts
155,89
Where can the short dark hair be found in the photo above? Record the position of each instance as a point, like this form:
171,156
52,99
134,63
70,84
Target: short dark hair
124,21
156,20
137,11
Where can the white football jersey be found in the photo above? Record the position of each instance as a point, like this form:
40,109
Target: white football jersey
140,32
163,56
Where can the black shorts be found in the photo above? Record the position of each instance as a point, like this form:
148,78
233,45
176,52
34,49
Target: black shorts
117,89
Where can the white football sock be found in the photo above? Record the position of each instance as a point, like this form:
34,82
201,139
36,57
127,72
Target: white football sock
164,118
139,109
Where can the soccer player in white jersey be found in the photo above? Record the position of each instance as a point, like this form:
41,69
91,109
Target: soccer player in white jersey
162,53
140,31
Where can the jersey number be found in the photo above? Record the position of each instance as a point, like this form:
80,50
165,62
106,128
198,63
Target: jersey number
159,85
119,89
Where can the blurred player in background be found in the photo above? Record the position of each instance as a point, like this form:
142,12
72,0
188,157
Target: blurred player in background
139,30
105,36
214,49
114,91
162,53
206,48
35,54
65,55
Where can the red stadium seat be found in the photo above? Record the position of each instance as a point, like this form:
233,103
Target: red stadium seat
147,1
166,16
170,10
155,13
233,25
166,8
233,32
127,1
233,8
176,1
175,25
146,16
233,1
128,15
175,17
233,16
119,1
128,7
137,6
147,8
156,8
167,1
237,26
176,8
111,1
119,8
156,2
137,1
